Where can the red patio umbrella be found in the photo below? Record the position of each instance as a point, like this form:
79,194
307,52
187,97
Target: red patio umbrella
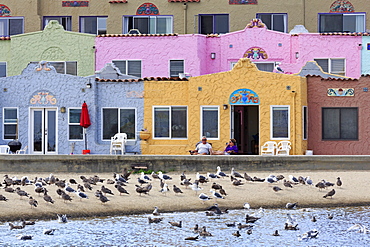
85,120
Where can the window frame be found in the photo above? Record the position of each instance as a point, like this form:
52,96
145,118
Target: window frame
330,65
343,14
183,66
68,27
65,66
16,123
213,23
169,107
218,121
6,68
8,27
285,19
340,126
305,122
272,122
118,119
126,65
126,28
97,24
272,63
74,124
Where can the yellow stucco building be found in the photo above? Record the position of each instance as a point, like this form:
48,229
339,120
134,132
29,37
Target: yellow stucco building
249,105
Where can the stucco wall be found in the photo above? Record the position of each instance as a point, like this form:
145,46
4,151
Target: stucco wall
52,44
317,98
216,89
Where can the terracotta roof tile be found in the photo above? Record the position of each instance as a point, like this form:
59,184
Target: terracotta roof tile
347,34
5,38
183,1
137,35
213,35
124,1
143,79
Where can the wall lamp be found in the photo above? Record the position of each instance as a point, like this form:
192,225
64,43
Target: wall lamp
88,85
297,55
213,55
63,109
225,106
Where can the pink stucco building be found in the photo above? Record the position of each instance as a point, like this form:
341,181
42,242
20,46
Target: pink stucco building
167,55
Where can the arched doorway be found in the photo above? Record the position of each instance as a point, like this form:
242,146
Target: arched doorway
245,120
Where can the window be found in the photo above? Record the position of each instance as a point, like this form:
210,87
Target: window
2,69
218,23
148,24
93,25
176,67
332,65
210,119
170,121
11,26
75,130
269,67
119,120
280,126
305,122
336,22
340,123
276,22
69,68
129,67
64,21
10,122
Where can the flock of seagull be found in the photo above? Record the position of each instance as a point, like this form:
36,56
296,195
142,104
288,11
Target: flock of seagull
66,188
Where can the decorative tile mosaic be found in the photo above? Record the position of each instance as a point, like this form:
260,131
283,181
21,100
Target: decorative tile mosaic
43,98
147,9
341,6
244,97
341,92
255,53
75,3
255,23
243,2
4,10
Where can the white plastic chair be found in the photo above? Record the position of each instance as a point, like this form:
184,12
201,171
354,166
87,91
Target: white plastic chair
269,148
118,142
283,148
4,149
22,150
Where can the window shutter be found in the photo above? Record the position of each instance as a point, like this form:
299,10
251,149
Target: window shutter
121,65
323,63
337,66
71,68
134,68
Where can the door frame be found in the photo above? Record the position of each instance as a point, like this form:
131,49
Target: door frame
45,121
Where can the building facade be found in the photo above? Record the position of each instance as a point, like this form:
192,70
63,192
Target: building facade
183,16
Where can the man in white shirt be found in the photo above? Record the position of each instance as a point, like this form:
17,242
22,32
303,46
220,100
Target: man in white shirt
203,148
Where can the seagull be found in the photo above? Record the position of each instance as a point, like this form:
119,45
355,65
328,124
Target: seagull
178,224
250,219
176,189
32,202
164,189
220,173
216,186
3,198
246,205
237,234
211,175
215,209
308,235
121,189
291,227
81,195
195,187
155,176
330,193
204,197
155,212
235,174
293,179
103,198
308,181
276,188
287,184
49,231
141,181
290,205
192,238
62,218
360,227
277,68
216,195
339,182
271,179
164,176
106,190
48,198
69,189
186,182
24,237
154,220
290,220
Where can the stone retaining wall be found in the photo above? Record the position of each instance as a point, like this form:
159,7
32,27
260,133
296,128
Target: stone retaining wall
115,163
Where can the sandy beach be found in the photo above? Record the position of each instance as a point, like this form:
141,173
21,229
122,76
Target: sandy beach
353,192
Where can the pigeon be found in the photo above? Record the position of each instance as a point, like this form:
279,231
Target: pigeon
330,193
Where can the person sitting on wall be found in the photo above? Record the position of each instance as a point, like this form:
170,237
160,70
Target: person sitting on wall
231,148
203,148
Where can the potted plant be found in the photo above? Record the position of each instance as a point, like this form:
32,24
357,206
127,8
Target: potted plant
144,134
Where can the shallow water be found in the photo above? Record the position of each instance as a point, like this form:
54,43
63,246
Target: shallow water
135,230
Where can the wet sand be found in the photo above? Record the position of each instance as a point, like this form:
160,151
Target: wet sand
353,192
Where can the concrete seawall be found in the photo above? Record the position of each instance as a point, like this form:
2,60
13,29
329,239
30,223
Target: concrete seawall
114,163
